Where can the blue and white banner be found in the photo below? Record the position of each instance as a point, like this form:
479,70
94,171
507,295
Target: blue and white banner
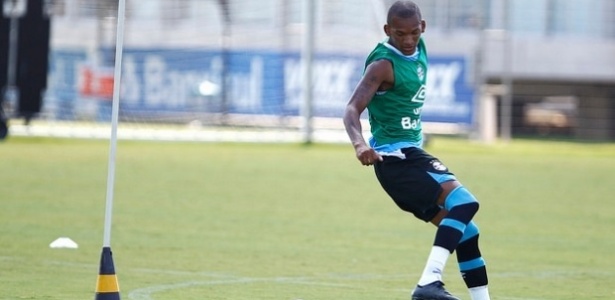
450,98
256,82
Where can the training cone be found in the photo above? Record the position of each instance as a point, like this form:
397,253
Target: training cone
107,287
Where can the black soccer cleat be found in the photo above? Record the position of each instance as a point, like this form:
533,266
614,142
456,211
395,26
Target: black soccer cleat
432,291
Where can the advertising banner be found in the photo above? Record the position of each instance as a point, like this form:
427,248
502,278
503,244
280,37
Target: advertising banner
248,82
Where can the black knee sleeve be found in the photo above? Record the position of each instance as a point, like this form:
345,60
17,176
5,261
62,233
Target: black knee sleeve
453,225
471,263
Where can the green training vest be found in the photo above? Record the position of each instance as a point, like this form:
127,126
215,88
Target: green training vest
395,114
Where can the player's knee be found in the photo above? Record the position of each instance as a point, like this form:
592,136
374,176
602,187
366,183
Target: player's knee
471,231
460,196
461,205
463,213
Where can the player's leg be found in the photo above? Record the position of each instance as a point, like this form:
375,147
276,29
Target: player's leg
459,208
445,235
415,191
472,264
417,184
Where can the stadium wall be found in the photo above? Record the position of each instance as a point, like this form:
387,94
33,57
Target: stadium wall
554,71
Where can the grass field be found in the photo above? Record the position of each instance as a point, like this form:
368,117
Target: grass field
279,221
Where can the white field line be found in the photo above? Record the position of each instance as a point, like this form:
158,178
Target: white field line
350,280
147,292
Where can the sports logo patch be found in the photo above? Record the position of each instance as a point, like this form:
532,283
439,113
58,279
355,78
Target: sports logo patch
437,165
420,72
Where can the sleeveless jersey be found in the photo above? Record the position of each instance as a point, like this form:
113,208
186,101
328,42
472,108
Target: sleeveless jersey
395,114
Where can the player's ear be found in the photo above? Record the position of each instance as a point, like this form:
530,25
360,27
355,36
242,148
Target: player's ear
423,25
387,30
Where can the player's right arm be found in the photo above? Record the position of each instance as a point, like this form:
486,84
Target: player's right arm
378,76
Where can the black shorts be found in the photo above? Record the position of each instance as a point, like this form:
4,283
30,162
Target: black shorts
410,185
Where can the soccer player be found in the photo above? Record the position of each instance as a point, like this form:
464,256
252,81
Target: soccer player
392,89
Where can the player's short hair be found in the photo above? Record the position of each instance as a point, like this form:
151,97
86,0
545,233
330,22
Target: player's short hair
403,9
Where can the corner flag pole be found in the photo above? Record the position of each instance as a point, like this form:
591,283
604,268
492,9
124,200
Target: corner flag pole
107,287
114,120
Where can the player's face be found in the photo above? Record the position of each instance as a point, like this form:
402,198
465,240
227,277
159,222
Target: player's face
404,33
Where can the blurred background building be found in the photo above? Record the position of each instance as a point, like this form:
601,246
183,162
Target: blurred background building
501,68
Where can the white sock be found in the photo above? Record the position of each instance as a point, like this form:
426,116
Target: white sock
435,265
479,293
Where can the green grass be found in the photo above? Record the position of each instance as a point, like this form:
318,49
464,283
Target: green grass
261,221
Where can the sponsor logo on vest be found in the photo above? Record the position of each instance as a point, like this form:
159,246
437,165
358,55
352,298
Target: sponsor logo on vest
420,95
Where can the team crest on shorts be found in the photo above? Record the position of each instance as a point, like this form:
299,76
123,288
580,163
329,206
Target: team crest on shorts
436,164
